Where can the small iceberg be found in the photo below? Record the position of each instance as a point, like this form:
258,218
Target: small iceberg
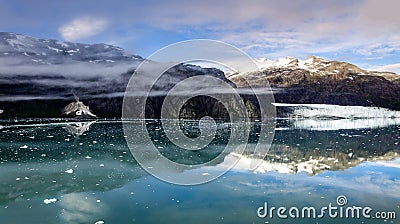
78,109
49,201
69,171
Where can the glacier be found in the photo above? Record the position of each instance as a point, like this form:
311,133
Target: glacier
336,117
337,111
340,124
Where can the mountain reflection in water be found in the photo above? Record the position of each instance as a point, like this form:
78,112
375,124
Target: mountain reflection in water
65,160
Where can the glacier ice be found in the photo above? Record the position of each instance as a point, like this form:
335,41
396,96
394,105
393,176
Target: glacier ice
337,111
335,117
342,124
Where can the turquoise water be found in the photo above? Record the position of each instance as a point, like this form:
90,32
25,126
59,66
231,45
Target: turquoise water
76,172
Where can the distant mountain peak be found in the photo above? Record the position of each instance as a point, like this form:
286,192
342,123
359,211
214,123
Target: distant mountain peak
315,58
288,61
31,50
317,66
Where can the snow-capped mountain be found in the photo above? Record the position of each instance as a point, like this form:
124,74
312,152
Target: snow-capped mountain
264,63
32,69
19,49
319,66
39,77
320,81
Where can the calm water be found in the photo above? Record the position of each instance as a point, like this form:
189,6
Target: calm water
72,172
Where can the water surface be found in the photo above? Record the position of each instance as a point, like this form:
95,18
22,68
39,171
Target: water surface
83,172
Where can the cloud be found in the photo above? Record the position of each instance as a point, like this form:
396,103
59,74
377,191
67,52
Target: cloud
379,17
281,28
82,28
273,28
235,14
77,69
58,80
390,67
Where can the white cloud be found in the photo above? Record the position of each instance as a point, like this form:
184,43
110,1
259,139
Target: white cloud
82,28
280,28
390,67
272,28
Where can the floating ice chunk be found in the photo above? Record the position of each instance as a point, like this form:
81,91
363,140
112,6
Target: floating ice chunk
69,171
50,200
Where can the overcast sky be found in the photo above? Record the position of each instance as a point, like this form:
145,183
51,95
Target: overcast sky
364,32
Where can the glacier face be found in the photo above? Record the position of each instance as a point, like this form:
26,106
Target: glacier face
337,111
341,124
335,117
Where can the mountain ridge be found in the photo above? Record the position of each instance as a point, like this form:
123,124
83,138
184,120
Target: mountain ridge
39,76
319,65
319,81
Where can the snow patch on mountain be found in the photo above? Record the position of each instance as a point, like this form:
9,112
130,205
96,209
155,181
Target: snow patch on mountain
265,63
312,64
